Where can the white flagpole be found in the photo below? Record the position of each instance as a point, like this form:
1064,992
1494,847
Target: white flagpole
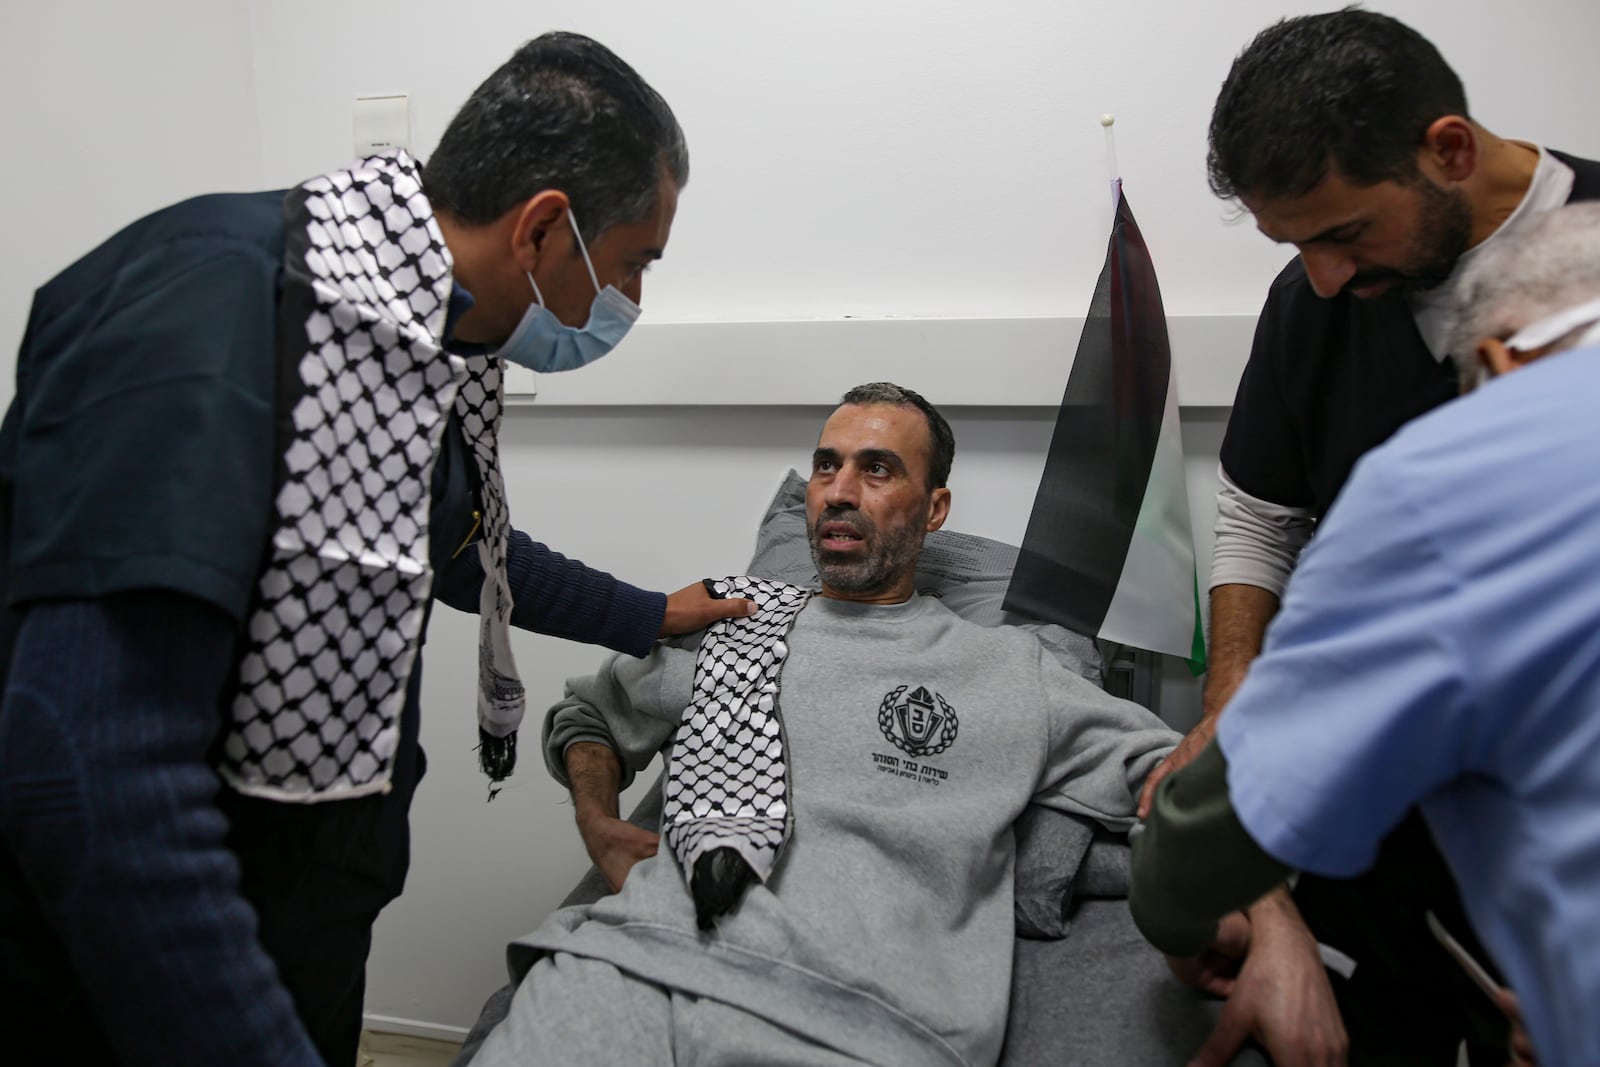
1108,120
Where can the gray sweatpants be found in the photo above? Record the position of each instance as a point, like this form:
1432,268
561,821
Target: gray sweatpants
575,1011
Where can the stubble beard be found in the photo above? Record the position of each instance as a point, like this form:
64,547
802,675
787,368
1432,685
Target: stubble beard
889,557
1444,232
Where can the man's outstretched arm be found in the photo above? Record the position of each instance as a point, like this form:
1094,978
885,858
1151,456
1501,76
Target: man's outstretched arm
565,598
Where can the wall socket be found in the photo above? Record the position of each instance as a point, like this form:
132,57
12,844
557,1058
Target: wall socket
382,123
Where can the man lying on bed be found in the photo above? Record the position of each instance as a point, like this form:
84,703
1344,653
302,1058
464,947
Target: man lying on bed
843,775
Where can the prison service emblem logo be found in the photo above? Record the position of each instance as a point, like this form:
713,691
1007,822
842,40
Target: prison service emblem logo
918,721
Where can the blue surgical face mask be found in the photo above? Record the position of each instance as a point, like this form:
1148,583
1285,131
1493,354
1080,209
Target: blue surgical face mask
543,343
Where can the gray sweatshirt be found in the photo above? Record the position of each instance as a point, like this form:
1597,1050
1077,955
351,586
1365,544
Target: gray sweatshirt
885,930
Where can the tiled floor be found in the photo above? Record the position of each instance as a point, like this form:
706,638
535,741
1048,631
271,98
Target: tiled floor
393,1050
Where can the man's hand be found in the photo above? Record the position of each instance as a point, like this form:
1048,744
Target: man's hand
1281,996
694,608
1193,743
1215,970
1521,1047
615,845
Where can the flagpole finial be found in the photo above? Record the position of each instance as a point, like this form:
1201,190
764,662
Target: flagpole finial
1107,121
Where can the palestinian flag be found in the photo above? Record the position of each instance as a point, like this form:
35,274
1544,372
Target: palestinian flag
1109,550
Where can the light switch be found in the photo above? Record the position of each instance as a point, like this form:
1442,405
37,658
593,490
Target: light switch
382,122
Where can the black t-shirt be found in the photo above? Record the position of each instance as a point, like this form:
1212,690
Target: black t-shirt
1330,379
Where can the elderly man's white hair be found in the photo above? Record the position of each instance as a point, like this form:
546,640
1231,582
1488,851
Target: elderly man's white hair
1548,265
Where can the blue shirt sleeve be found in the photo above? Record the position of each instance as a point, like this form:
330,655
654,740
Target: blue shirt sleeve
1356,709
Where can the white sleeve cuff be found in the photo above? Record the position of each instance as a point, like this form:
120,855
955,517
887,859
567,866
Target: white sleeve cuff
1257,542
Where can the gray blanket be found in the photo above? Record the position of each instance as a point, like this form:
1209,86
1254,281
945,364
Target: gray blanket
1086,988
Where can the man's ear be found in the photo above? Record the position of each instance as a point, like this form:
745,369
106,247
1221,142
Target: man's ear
1450,148
535,219
1494,354
938,509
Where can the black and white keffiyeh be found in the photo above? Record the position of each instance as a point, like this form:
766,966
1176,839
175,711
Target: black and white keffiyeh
333,636
727,784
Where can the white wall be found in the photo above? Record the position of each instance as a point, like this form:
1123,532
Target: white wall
904,157
930,158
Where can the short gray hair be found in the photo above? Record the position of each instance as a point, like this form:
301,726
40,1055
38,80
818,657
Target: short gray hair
1548,265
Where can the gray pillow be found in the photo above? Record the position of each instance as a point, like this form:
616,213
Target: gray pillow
1061,859
1055,852
1051,847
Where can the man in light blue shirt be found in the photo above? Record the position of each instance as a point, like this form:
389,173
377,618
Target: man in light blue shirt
1439,646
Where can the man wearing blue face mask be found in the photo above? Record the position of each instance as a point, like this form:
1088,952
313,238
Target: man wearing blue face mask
253,437
542,342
